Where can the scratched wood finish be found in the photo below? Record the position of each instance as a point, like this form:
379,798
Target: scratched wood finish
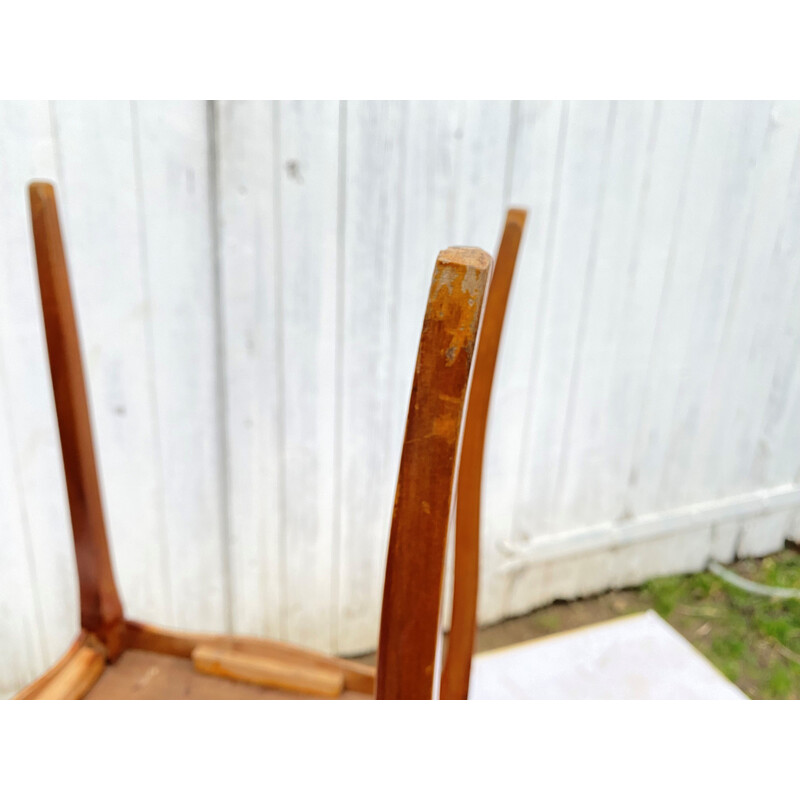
410,615
650,359
461,642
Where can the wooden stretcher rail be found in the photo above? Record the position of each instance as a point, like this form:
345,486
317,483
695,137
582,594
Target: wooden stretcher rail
357,677
273,673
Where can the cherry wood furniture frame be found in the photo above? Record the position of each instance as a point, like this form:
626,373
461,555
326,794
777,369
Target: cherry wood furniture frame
114,657
461,642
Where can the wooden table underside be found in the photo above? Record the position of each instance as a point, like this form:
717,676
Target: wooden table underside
139,675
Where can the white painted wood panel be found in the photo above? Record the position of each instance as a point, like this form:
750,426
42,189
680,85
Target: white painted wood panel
743,141
99,201
535,165
250,290
583,481
176,215
38,586
250,280
311,142
368,446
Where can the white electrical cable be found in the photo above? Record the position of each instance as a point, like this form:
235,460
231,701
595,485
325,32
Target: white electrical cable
751,586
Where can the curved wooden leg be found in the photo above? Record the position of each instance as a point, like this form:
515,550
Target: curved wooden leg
410,616
461,643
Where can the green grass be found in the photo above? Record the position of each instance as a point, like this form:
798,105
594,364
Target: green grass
753,640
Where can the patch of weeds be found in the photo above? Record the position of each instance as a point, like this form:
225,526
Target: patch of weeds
665,593
753,640
780,682
549,622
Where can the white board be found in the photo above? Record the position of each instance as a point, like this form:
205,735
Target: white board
638,657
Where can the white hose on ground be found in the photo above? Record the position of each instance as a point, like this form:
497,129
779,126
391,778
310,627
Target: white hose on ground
752,587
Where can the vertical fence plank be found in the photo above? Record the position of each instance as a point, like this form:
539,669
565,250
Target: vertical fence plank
582,184
172,164
580,193
533,182
672,140
22,637
683,280
744,143
97,193
367,465
38,586
252,331
761,307
311,135
592,434
774,451
748,349
669,142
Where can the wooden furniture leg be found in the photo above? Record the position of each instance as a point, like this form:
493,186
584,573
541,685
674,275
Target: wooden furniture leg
101,610
410,617
461,642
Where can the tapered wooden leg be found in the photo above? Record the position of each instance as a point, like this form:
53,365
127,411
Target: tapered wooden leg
101,610
455,675
409,634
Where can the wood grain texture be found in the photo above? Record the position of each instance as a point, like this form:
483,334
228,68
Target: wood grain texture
357,677
101,610
77,677
272,673
410,615
460,644
73,675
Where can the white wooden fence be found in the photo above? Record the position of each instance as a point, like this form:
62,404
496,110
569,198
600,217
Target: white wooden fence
250,280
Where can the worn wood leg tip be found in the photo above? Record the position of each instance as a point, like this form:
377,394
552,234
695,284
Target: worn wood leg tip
269,672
